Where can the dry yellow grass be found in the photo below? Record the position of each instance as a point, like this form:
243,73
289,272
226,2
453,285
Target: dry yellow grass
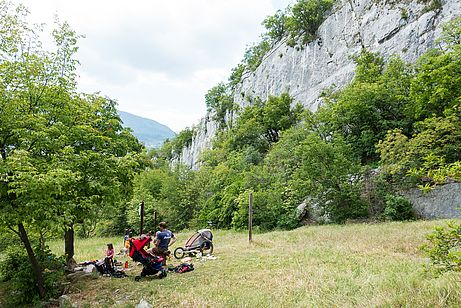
359,265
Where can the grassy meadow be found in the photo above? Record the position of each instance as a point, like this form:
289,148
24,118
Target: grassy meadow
356,265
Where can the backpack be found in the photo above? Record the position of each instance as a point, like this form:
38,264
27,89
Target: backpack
183,268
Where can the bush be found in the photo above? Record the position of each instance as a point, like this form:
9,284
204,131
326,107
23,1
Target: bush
305,18
397,208
15,269
444,248
4,240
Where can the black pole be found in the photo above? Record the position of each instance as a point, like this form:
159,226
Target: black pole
142,217
250,218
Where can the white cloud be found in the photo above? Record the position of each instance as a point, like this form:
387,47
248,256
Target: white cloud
158,58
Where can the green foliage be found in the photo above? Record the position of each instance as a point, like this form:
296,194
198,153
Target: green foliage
305,18
430,155
17,272
65,158
372,104
451,34
397,208
298,23
404,14
184,139
444,247
370,67
433,5
171,193
219,99
437,83
236,76
276,26
287,156
254,54
329,171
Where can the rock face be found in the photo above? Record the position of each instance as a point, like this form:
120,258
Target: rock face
406,28
441,202
190,155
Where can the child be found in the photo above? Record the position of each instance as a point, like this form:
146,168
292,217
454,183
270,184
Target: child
110,251
109,259
126,241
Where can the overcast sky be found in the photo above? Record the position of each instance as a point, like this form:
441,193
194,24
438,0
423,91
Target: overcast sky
158,58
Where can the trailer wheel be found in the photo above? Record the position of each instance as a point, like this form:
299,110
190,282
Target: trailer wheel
207,247
179,253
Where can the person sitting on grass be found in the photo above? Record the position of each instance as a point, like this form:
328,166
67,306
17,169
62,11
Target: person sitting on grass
109,259
110,251
162,240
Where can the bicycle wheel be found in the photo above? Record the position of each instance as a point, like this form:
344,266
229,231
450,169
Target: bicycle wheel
179,253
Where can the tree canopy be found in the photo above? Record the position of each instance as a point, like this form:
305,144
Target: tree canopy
64,155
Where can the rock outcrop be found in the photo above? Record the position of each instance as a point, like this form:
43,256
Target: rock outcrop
406,28
204,133
441,202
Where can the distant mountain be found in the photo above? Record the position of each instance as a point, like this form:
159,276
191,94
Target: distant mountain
148,131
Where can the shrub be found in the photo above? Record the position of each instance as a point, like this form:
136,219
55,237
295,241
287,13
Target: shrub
4,240
444,247
306,17
15,269
254,54
397,208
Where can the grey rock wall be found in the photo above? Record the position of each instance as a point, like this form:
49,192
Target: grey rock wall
379,26
441,202
386,26
205,132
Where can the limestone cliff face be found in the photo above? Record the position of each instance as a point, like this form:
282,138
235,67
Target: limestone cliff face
205,131
406,28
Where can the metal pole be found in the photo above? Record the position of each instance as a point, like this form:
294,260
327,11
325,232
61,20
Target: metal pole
142,217
250,218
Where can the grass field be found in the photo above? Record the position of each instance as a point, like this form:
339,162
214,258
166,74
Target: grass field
378,265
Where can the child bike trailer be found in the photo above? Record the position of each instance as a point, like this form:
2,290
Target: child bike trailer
202,242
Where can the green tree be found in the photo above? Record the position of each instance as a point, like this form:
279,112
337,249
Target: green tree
62,154
375,102
330,173
437,83
219,100
305,18
254,54
430,155
276,26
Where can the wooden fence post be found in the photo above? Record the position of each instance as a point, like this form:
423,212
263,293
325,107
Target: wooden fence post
142,217
250,217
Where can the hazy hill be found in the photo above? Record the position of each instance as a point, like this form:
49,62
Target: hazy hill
148,131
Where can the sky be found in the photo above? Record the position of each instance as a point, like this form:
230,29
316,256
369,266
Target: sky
158,59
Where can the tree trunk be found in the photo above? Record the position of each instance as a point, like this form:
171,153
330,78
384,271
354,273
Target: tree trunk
33,260
69,246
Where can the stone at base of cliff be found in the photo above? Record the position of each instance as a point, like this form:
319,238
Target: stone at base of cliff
143,304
